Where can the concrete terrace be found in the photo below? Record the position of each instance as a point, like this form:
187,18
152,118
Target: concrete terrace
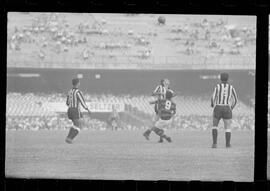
130,41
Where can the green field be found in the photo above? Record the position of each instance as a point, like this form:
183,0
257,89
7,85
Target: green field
127,155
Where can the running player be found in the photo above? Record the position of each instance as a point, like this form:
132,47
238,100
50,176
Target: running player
223,101
166,108
74,100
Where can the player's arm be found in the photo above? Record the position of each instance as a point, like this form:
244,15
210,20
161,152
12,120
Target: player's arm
153,102
82,101
173,112
173,92
213,98
157,91
234,95
67,100
174,109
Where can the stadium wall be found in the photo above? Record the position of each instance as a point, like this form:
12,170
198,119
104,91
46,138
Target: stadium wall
133,82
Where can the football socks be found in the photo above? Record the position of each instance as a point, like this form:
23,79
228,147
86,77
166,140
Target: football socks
228,137
73,132
214,135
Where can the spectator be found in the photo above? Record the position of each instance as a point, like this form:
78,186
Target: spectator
114,119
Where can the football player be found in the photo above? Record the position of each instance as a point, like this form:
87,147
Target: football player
223,101
159,92
166,108
74,100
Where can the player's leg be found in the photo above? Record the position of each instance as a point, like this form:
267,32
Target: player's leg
166,123
73,131
146,134
215,131
216,119
227,124
75,128
160,132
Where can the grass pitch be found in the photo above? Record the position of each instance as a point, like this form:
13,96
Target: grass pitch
127,155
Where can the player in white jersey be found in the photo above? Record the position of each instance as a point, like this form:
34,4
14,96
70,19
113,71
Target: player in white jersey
223,101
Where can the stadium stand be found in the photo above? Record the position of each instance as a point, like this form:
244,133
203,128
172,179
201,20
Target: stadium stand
29,111
31,105
113,40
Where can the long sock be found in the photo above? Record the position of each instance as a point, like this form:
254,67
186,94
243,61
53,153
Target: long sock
147,132
160,132
214,134
228,137
73,132
161,138
162,135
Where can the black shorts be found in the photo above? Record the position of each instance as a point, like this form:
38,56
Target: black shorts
74,113
222,111
166,117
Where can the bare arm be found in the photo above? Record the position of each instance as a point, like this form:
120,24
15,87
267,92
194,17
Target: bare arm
82,101
152,102
67,100
234,98
213,98
157,91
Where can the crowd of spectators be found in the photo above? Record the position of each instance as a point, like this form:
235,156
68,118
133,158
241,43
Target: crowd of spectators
48,33
62,123
216,37
246,122
51,36
36,103
49,123
22,112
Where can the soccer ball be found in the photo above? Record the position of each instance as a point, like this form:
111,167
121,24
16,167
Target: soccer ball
161,20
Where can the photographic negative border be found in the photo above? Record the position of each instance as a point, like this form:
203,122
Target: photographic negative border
187,7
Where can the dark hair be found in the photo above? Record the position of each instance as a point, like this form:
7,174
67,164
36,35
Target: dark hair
162,82
75,81
224,77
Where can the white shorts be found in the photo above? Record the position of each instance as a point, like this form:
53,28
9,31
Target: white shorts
163,123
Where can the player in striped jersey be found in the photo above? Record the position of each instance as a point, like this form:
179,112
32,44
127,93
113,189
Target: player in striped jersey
74,101
160,92
223,101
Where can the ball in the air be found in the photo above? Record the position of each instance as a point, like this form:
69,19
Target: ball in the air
161,20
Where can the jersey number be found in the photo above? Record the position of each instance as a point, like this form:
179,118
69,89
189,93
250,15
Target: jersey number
168,105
